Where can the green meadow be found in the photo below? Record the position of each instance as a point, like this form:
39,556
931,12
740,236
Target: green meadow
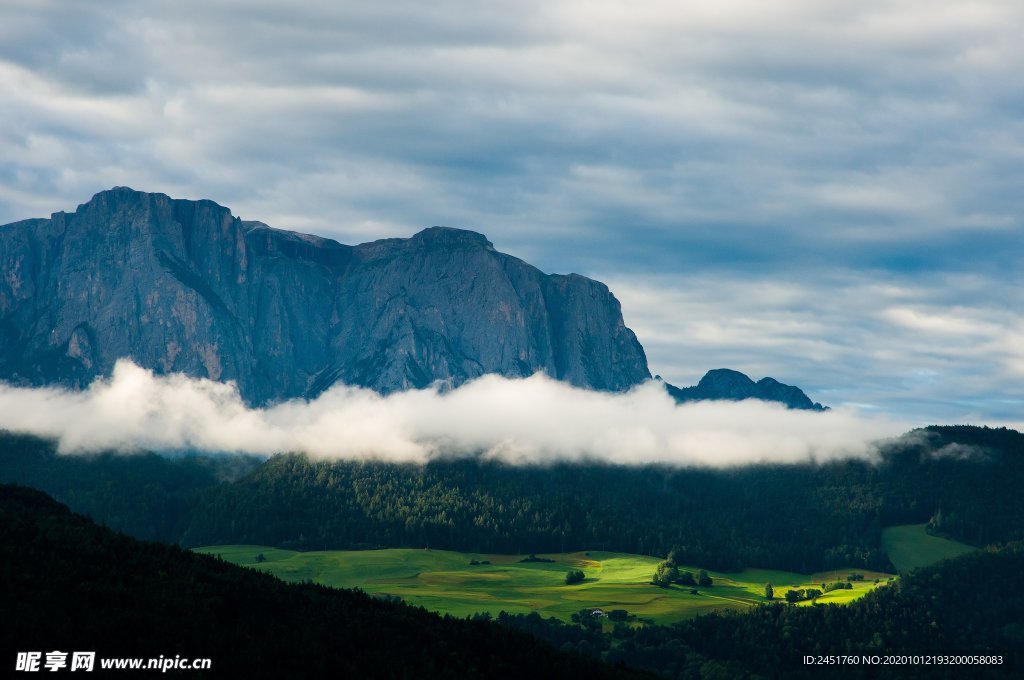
444,581
911,546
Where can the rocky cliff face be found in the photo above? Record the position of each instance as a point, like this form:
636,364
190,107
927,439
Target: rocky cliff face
183,286
726,384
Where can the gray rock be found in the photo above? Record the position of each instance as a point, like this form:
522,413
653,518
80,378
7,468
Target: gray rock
726,384
183,286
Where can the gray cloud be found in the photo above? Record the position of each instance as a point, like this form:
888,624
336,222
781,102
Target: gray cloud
770,117
938,348
527,421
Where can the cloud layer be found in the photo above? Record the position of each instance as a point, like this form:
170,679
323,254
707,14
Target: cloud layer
527,421
704,128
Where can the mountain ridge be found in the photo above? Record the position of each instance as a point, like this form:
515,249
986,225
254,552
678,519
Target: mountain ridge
185,286
729,385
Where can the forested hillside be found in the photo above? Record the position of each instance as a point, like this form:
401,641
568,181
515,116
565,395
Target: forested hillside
143,494
802,517
965,480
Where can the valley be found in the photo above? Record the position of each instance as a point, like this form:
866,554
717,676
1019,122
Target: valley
446,582
465,583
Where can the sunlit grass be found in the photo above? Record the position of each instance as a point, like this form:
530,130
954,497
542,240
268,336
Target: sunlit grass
911,546
444,581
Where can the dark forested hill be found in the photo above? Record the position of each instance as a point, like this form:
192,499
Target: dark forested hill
966,480
143,494
67,584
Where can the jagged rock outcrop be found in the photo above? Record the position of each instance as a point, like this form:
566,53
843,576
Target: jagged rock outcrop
724,383
184,286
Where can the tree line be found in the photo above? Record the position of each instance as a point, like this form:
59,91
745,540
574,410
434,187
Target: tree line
803,518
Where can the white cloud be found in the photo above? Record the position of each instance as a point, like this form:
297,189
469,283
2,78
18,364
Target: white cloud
535,420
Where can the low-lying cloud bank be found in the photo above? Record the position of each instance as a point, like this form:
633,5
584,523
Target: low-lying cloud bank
526,421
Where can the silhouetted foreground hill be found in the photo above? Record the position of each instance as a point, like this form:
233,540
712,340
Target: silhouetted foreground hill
67,584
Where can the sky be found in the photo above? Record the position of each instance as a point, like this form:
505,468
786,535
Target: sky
828,193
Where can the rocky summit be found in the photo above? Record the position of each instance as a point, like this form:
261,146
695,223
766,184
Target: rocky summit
727,384
184,286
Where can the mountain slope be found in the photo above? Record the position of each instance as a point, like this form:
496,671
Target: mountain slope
964,481
184,286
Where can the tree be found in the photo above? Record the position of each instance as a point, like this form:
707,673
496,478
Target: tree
673,573
574,576
665,575
660,576
703,579
769,592
793,596
261,558
812,594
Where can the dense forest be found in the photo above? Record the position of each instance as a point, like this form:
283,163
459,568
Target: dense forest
964,480
67,584
142,494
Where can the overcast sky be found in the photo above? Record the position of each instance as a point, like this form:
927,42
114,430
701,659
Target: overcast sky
829,193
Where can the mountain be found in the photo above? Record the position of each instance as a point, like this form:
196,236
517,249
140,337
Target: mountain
68,584
724,383
185,286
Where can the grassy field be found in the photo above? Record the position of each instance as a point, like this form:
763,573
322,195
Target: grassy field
910,546
445,582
